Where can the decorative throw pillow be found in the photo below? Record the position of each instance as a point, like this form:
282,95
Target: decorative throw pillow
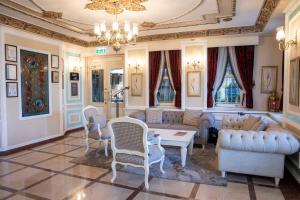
154,116
192,117
249,122
260,125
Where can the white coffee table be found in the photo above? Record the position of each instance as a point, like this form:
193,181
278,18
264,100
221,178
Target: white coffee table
169,138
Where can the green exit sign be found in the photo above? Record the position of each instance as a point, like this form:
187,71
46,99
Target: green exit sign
101,50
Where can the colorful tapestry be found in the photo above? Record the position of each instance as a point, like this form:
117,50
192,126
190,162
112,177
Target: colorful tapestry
34,83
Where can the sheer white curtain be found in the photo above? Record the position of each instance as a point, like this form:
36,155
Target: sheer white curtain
169,70
221,68
232,56
161,68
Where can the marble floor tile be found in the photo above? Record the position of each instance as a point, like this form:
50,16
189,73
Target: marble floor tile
148,196
57,164
32,158
13,155
4,194
77,134
266,193
64,140
19,197
178,188
58,187
24,178
59,149
44,146
6,167
233,191
77,152
126,179
76,141
102,191
86,171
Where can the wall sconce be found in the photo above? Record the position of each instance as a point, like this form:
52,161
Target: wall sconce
135,66
280,37
194,64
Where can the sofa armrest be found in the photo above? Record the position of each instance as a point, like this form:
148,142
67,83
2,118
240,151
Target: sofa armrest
264,142
206,120
141,115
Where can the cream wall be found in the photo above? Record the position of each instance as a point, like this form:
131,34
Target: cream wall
266,54
292,112
16,131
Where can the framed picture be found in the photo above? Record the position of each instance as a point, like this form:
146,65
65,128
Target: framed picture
35,100
294,82
74,89
11,72
194,84
11,89
136,84
11,53
74,76
55,61
268,79
55,76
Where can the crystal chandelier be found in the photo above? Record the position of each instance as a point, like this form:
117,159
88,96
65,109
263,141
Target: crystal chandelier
117,35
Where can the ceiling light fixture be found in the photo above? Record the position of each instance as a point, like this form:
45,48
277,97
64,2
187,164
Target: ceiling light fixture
116,35
280,37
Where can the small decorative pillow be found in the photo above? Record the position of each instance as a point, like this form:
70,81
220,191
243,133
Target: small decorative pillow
192,117
260,125
249,122
154,116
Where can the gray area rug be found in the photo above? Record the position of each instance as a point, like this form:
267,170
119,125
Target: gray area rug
201,167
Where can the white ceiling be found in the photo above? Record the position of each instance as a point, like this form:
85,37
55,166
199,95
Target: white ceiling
195,15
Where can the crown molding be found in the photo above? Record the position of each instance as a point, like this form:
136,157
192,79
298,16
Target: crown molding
263,18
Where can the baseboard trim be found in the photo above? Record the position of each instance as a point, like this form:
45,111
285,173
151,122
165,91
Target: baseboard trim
35,144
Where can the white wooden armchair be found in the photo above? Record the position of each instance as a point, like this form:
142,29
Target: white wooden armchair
130,146
95,127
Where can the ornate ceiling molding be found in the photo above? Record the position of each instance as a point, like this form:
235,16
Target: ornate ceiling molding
9,21
264,16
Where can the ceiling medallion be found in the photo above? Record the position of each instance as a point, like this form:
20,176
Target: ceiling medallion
116,36
115,7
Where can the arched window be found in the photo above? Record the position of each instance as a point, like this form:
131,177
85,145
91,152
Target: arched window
229,91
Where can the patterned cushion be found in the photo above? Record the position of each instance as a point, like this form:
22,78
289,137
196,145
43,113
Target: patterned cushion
192,117
172,117
260,125
153,116
249,122
154,154
160,126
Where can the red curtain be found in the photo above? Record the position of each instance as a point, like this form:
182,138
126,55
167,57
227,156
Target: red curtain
245,61
154,64
212,61
175,62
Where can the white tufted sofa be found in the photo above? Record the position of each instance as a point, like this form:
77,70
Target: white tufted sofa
251,152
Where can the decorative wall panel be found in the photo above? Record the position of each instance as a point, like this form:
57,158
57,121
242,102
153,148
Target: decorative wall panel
34,83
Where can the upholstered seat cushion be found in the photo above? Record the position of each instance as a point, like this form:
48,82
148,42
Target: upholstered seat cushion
192,117
160,126
155,154
105,134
